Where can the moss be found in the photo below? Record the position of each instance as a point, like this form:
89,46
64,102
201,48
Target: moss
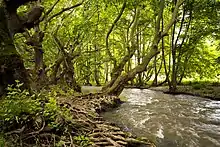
197,86
123,98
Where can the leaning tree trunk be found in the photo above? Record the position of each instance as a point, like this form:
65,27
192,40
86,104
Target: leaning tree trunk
11,63
119,83
118,68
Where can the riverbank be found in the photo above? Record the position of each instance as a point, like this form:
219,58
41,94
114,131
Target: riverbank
206,91
100,132
70,121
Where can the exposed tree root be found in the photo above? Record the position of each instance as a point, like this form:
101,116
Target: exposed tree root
84,119
100,132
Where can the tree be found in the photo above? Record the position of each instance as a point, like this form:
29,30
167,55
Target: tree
34,39
119,83
12,66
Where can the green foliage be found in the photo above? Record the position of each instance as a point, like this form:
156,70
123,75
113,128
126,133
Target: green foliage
82,140
2,141
17,102
51,108
61,90
85,29
21,108
52,111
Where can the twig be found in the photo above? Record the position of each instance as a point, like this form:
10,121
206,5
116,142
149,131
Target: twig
37,132
63,10
49,11
18,131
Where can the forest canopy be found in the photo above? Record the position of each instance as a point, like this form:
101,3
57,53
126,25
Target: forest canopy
62,45
116,43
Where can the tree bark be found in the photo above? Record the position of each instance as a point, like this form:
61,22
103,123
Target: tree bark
11,63
35,41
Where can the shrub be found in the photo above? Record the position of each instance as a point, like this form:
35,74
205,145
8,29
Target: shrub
16,103
2,141
20,109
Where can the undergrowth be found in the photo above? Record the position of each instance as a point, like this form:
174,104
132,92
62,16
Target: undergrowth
37,119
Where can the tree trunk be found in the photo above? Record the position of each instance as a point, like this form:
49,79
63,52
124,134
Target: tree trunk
70,74
119,83
11,63
139,81
172,88
118,68
164,59
35,41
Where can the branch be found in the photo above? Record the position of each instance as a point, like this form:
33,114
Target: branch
63,10
111,29
181,27
157,35
60,45
49,11
118,68
173,19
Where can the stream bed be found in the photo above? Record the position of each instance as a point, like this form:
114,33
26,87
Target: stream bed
169,120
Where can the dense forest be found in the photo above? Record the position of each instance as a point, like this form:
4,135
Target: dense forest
49,49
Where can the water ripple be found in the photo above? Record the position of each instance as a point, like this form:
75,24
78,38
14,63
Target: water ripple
171,121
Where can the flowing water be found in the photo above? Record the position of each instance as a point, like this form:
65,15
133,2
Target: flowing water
168,120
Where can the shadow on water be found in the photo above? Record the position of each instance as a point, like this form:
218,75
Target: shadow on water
168,120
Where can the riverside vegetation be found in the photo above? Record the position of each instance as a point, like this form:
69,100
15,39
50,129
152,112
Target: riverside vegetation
49,49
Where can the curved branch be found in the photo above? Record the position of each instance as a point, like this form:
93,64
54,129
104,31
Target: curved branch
49,11
111,29
63,10
60,12
173,19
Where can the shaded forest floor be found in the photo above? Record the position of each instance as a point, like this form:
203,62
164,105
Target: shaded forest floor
206,90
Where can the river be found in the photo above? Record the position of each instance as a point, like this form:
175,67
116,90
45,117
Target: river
169,120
